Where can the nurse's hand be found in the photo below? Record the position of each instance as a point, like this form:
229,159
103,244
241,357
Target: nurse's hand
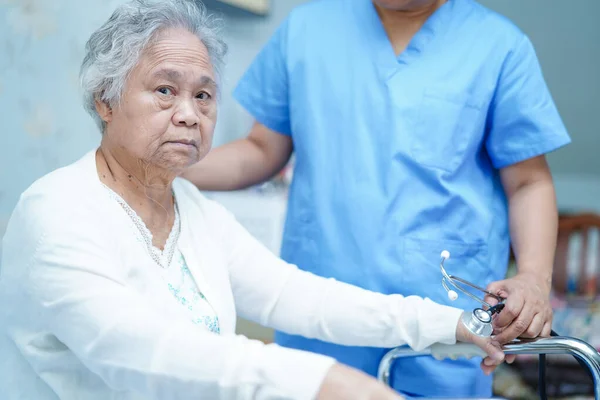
527,312
490,346
345,383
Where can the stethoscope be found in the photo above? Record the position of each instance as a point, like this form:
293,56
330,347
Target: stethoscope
479,322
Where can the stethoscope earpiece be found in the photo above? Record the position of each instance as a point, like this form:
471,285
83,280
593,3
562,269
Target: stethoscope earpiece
480,320
452,295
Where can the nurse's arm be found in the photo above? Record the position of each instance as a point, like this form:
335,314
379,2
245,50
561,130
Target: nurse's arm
533,220
244,162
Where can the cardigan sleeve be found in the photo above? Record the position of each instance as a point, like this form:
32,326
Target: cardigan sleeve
274,293
68,279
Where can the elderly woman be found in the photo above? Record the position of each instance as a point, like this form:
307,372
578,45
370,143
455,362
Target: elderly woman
121,281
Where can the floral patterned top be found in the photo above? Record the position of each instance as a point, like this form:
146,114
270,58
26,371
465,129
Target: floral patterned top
174,271
182,285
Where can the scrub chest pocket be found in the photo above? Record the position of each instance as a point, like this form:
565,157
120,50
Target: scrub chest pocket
421,272
448,127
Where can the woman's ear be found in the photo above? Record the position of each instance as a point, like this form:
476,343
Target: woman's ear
104,110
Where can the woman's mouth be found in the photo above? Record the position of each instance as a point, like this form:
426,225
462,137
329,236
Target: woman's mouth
184,142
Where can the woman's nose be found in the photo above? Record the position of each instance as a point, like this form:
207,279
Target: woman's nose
186,114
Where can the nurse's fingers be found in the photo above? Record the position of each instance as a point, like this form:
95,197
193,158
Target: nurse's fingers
517,327
535,327
490,300
512,309
547,329
496,288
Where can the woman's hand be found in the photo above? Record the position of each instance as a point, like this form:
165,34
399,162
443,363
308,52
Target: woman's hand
345,383
495,355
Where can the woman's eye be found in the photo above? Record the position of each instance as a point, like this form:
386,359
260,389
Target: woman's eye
203,96
164,90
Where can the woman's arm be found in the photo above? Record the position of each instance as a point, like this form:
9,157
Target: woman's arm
276,294
56,271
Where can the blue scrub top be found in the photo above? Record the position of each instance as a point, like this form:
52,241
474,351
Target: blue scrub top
397,158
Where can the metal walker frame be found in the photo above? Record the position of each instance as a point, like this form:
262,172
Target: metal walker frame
552,345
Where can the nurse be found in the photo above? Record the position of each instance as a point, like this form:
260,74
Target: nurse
417,126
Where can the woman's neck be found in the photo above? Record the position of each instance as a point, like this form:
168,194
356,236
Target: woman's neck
134,178
147,191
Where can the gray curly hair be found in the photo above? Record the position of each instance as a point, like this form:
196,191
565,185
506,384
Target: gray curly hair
114,49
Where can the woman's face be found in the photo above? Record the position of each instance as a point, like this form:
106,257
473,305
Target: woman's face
168,108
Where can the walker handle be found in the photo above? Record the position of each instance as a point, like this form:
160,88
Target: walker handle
453,351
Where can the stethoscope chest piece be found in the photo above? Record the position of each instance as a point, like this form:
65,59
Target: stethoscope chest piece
478,322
